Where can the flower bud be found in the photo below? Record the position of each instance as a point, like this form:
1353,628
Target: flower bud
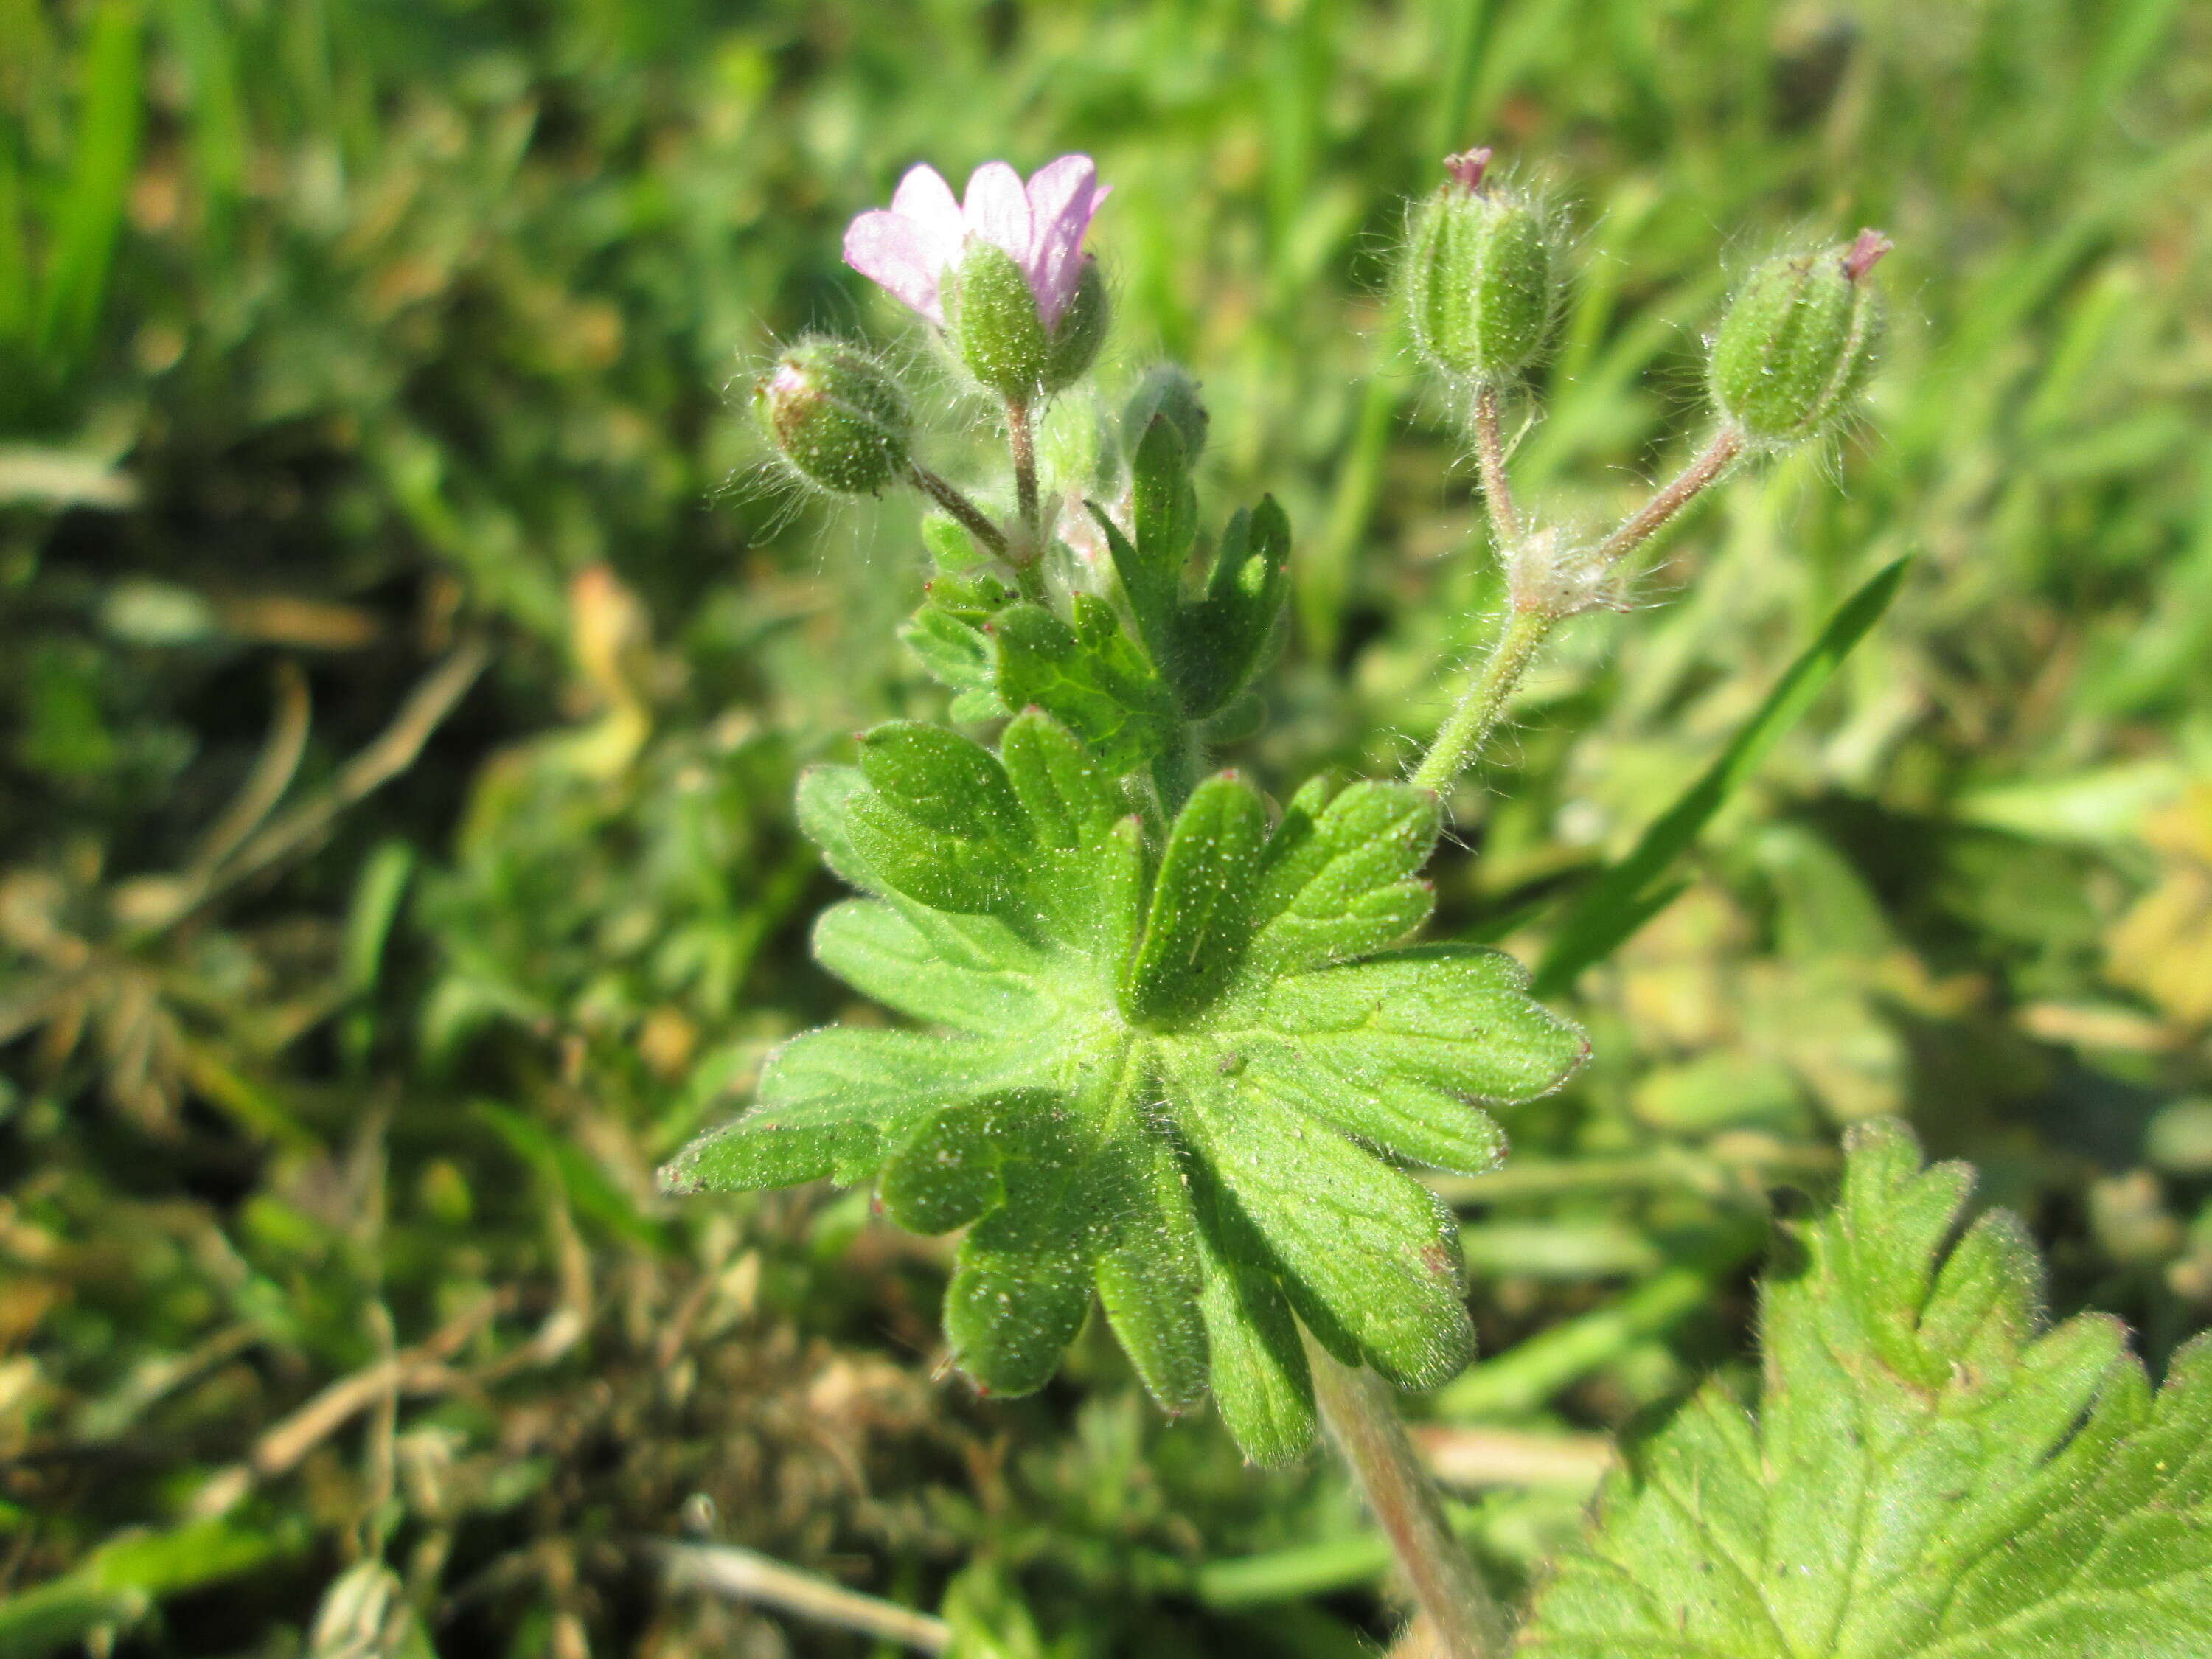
1798,343
836,415
1167,390
1081,330
1477,284
992,320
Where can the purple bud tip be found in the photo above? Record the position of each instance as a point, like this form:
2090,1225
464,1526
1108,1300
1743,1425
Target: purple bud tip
1468,167
1865,253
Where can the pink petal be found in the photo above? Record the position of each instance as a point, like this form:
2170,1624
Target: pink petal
893,250
924,197
997,210
1063,195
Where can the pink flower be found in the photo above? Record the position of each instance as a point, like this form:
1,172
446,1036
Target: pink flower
908,246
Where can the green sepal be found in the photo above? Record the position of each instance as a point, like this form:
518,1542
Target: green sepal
1089,676
992,324
1080,330
1195,931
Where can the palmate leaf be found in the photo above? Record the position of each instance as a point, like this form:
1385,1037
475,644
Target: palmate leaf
1174,1077
1933,1472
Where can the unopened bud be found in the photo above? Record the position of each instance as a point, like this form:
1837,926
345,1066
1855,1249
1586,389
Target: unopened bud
1798,344
1167,390
1478,284
992,320
1075,338
836,415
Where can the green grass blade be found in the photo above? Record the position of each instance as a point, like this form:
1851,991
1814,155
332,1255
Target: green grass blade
119,1582
15,257
1620,901
88,215
219,142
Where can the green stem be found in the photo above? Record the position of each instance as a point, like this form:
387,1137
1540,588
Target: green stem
1482,705
1693,481
969,515
1021,437
1364,1422
1490,455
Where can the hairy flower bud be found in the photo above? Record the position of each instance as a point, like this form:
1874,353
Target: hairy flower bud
1080,330
1477,285
836,415
993,320
1167,390
1797,344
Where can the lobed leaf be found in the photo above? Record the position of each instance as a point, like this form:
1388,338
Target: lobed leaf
1091,677
1259,1374
1931,1471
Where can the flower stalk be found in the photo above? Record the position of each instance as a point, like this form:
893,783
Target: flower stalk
1363,1420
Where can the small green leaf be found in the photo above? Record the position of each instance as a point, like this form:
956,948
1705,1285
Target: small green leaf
825,798
1226,637
1012,1309
950,1170
1456,1018
1067,791
967,875
1199,923
1343,881
1932,1474
1089,676
1164,513
954,653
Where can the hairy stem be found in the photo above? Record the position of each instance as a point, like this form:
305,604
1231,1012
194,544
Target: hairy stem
1021,437
1693,481
1364,1422
1482,705
1490,454
969,515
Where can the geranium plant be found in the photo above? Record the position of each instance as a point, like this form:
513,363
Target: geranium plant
1176,1046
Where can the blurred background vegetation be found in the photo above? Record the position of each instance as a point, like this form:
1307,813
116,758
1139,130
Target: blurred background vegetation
404,679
